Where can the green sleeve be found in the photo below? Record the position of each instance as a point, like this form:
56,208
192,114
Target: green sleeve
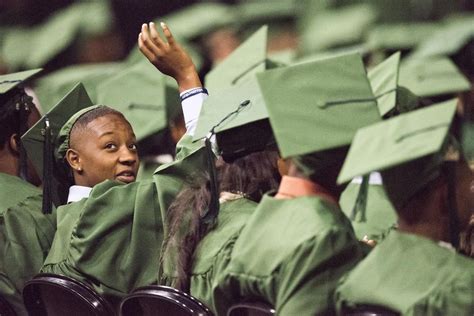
116,242
26,237
191,160
67,217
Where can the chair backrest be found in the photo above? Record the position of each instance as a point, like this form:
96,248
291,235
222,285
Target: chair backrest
161,300
368,310
5,308
51,295
251,309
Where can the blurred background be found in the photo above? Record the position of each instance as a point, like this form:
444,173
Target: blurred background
57,33
94,40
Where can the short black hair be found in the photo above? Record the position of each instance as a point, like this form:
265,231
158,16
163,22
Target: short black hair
103,110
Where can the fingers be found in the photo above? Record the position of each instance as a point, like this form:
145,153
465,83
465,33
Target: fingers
156,38
167,32
145,51
148,42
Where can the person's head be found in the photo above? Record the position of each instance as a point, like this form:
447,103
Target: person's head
249,176
102,146
322,168
425,175
13,122
431,206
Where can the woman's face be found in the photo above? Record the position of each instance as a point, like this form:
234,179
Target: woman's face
104,150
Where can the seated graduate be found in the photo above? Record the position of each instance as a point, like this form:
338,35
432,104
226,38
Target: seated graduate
304,241
26,233
416,269
108,237
207,215
399,88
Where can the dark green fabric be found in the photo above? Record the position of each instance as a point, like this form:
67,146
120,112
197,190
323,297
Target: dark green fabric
115,241
290,254
169,178
26,235
412,275
63,135
379,212
213,252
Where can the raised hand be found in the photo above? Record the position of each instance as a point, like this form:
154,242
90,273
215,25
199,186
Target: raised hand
168,56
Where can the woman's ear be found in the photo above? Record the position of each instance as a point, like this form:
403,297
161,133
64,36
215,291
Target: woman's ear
14,144
74,160
283,166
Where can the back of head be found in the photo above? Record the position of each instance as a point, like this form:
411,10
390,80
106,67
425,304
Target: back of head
11,121
249,177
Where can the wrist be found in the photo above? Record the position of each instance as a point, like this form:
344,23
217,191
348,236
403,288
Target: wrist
188,81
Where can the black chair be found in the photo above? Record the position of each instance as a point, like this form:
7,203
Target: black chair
58,295
161,300
251,309
368,310
5,308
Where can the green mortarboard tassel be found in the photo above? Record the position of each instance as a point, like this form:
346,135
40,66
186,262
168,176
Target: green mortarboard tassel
450,171
48,168
213,210
361,200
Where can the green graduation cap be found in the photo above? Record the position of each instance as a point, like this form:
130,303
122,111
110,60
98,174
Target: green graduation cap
333,52
432,77
455,33
52,87
199,19
278,15
265,11
391,97
336,27
399,36
238,117
24,47
10,81
47,149
318,105
249,58
407,150
143,95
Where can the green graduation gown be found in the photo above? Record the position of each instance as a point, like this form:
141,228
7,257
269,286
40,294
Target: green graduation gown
380,216
213,252
412,275
26,235
112,239
290,254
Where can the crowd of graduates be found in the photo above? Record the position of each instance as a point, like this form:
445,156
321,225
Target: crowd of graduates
312,156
